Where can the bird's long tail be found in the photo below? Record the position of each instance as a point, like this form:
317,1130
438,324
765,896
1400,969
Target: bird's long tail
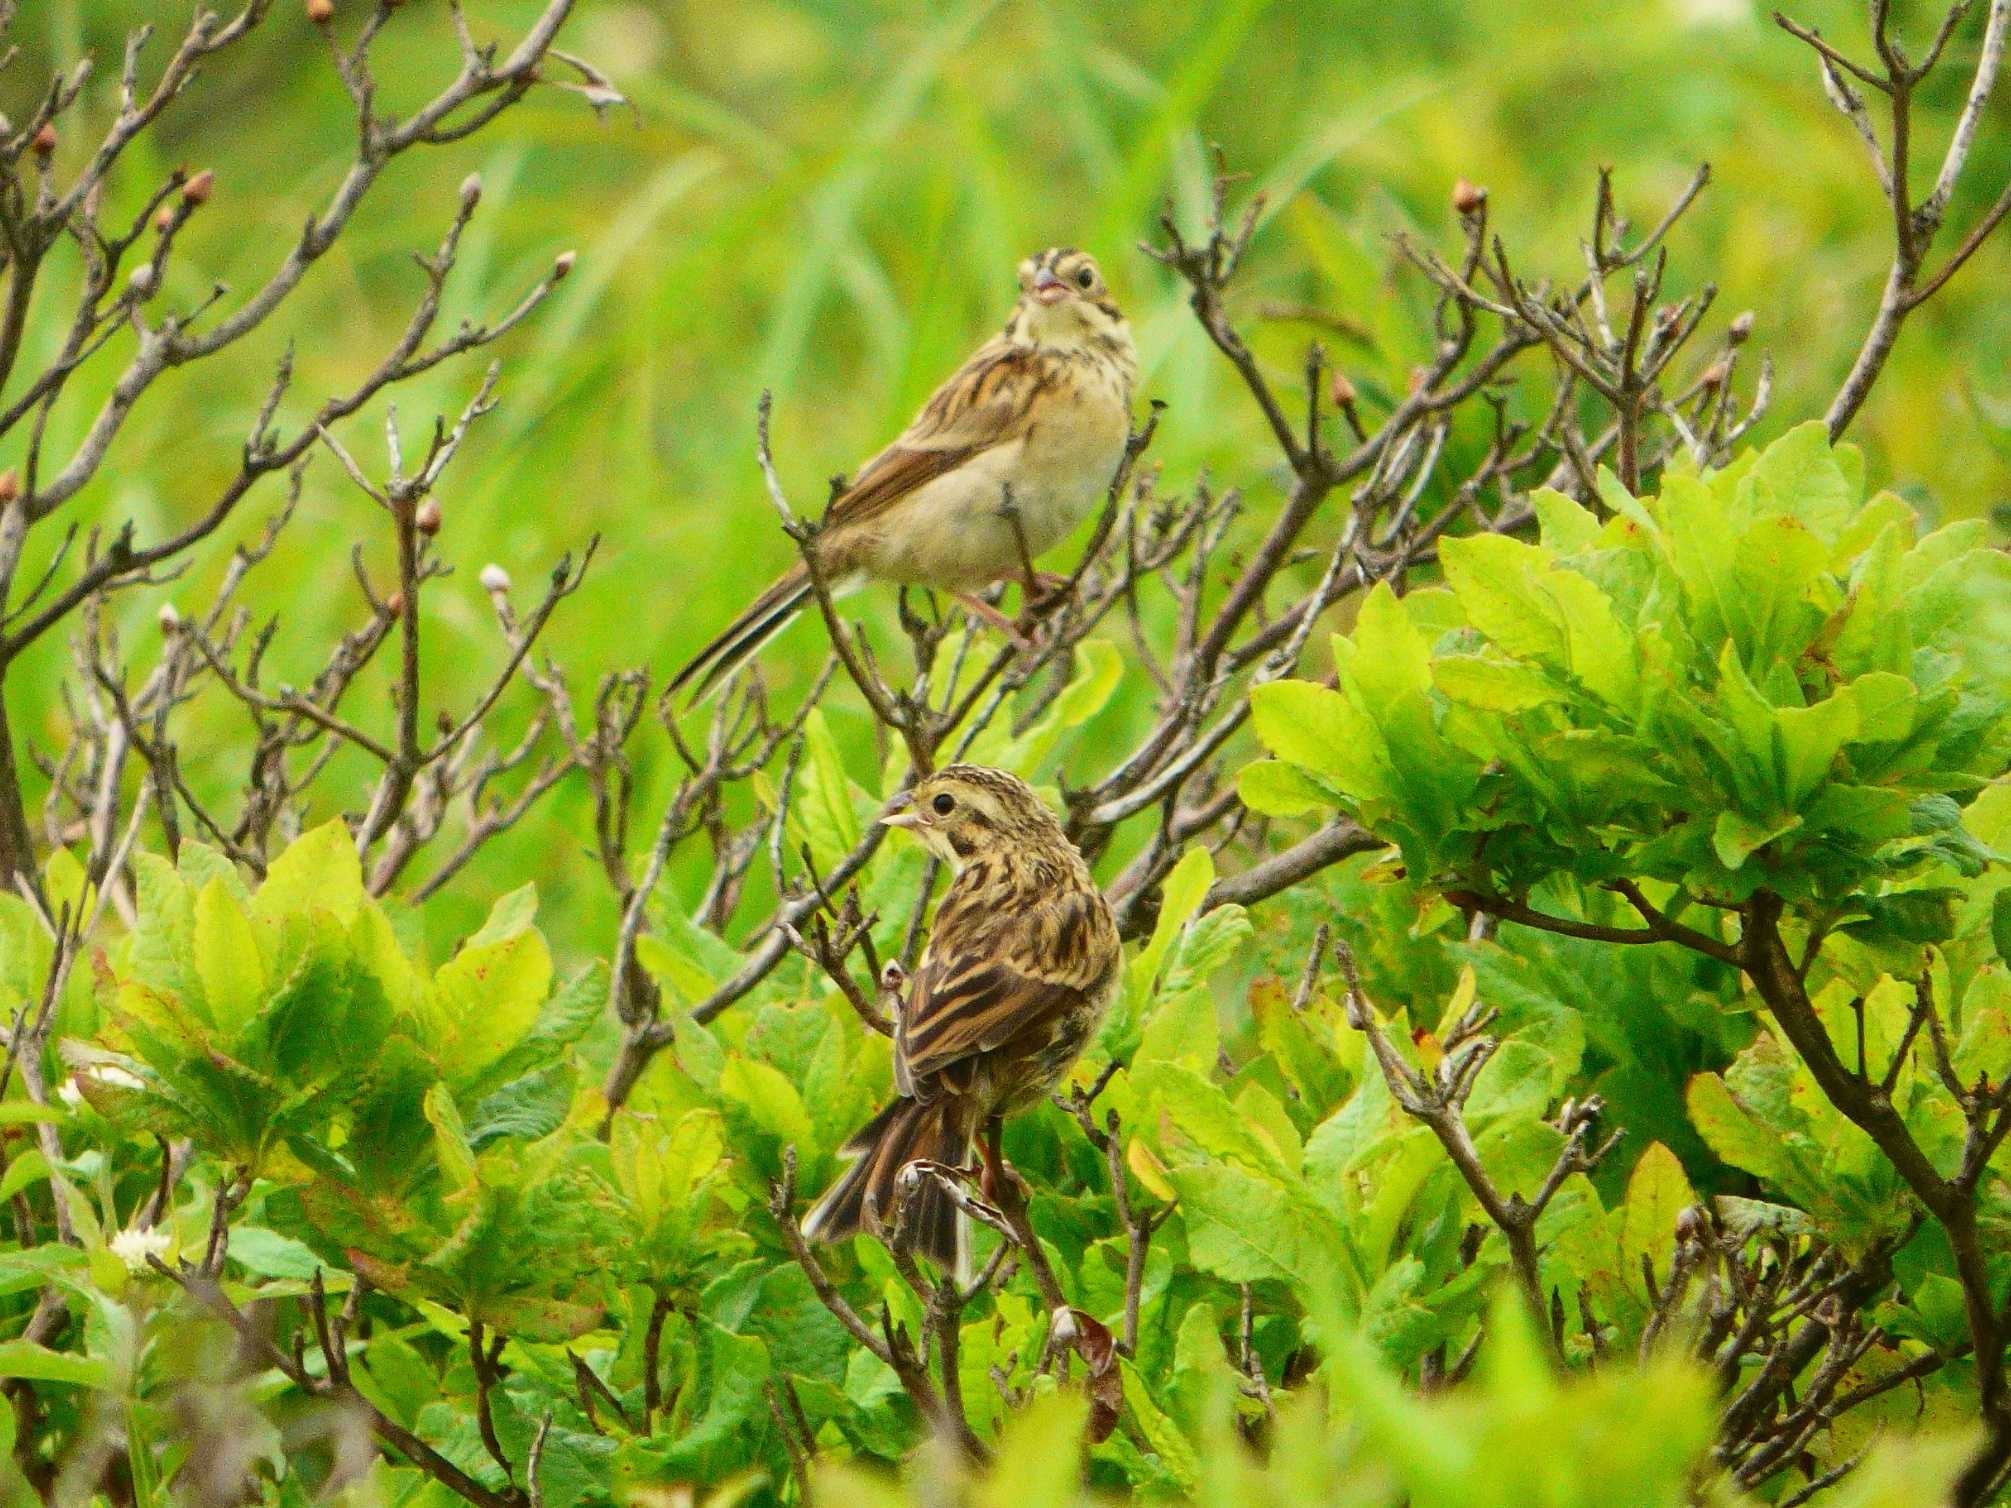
738,642
868,1196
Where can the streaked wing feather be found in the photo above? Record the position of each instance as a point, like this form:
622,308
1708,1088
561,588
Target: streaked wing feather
986,402
969,999
955,1013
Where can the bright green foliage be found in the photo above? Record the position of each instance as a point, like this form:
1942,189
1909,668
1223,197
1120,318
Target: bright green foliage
1753,684
1515,1438
1754,679
1746,682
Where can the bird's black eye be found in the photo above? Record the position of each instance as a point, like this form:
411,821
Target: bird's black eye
944,804
1086,278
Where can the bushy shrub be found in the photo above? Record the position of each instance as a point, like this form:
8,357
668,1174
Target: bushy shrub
1574,1067
1265,1206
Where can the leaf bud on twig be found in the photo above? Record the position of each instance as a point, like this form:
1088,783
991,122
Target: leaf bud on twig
197,190
1468,197
495,580
427,518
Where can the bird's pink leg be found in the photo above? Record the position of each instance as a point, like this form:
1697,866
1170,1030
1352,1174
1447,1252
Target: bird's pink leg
993,616
997,1175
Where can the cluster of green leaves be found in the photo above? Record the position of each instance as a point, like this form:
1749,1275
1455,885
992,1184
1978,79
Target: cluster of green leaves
1515,1437
1756,679
434,1131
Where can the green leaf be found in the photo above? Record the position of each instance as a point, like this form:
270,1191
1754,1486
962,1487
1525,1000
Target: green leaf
227,959
1273,788
1602,653
1494,685
1567,527
822,809
450,1138
1811,738
715,1445
163,946
268,1254
24,1358
1206,1116
1247,1229
1318,730
1493,577
770,1100
1162,1436
1803,476
66,887
510,917
1391,659
1658,1192
1099,669
1736,837
1039,1459
1621,501
1180,898
1886,705
488,994
318,871
28,1167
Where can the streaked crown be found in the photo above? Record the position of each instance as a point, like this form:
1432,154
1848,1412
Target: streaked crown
963,809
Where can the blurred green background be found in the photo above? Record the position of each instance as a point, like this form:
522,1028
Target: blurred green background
828,199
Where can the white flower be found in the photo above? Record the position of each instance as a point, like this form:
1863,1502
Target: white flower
70,1094
134,1246
495,578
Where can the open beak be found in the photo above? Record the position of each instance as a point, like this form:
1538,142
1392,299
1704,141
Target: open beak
1047,288
900,811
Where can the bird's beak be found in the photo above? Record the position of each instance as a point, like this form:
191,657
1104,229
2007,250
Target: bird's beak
1047,288
900,811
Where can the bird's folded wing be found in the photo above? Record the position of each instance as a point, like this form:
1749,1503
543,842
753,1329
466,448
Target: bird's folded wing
955,1013
988,402
968,1000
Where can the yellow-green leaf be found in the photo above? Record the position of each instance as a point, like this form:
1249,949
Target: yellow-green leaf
227,958
1658,1192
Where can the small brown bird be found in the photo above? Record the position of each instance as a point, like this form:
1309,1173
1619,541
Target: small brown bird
1039,415
1017,974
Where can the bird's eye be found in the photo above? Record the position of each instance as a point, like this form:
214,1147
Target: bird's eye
1086,278
944,804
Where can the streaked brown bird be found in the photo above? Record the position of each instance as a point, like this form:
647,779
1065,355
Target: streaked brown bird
1009,455
1020,967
